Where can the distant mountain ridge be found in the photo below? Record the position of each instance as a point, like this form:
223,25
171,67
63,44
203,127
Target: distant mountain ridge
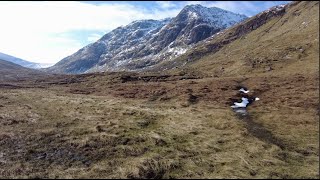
22,62
144,43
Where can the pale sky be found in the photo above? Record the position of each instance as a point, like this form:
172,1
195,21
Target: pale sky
46,32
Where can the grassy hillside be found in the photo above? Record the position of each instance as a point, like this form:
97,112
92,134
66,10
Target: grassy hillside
285,42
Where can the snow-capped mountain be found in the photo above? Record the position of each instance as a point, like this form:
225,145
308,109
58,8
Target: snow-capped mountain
144,43
22,62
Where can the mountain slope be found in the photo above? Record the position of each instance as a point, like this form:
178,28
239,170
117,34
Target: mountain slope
279,40
147,42
118,44
22,62
11,72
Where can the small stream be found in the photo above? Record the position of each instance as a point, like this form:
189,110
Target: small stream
254,128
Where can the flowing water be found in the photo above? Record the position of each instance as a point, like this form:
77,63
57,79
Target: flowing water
256,129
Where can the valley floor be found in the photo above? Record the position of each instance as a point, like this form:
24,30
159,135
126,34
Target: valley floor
129,126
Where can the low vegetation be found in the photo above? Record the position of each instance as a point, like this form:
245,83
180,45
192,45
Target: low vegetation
97,126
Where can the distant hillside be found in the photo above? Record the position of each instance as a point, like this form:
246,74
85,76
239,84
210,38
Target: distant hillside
22,62
13,72
283,39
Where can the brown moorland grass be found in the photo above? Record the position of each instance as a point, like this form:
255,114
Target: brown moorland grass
174,128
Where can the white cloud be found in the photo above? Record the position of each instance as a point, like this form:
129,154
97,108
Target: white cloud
194,2
28,29
166,4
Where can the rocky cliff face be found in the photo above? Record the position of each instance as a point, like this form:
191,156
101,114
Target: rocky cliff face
145,43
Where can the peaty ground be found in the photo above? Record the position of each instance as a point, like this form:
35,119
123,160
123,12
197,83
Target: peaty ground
151,126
